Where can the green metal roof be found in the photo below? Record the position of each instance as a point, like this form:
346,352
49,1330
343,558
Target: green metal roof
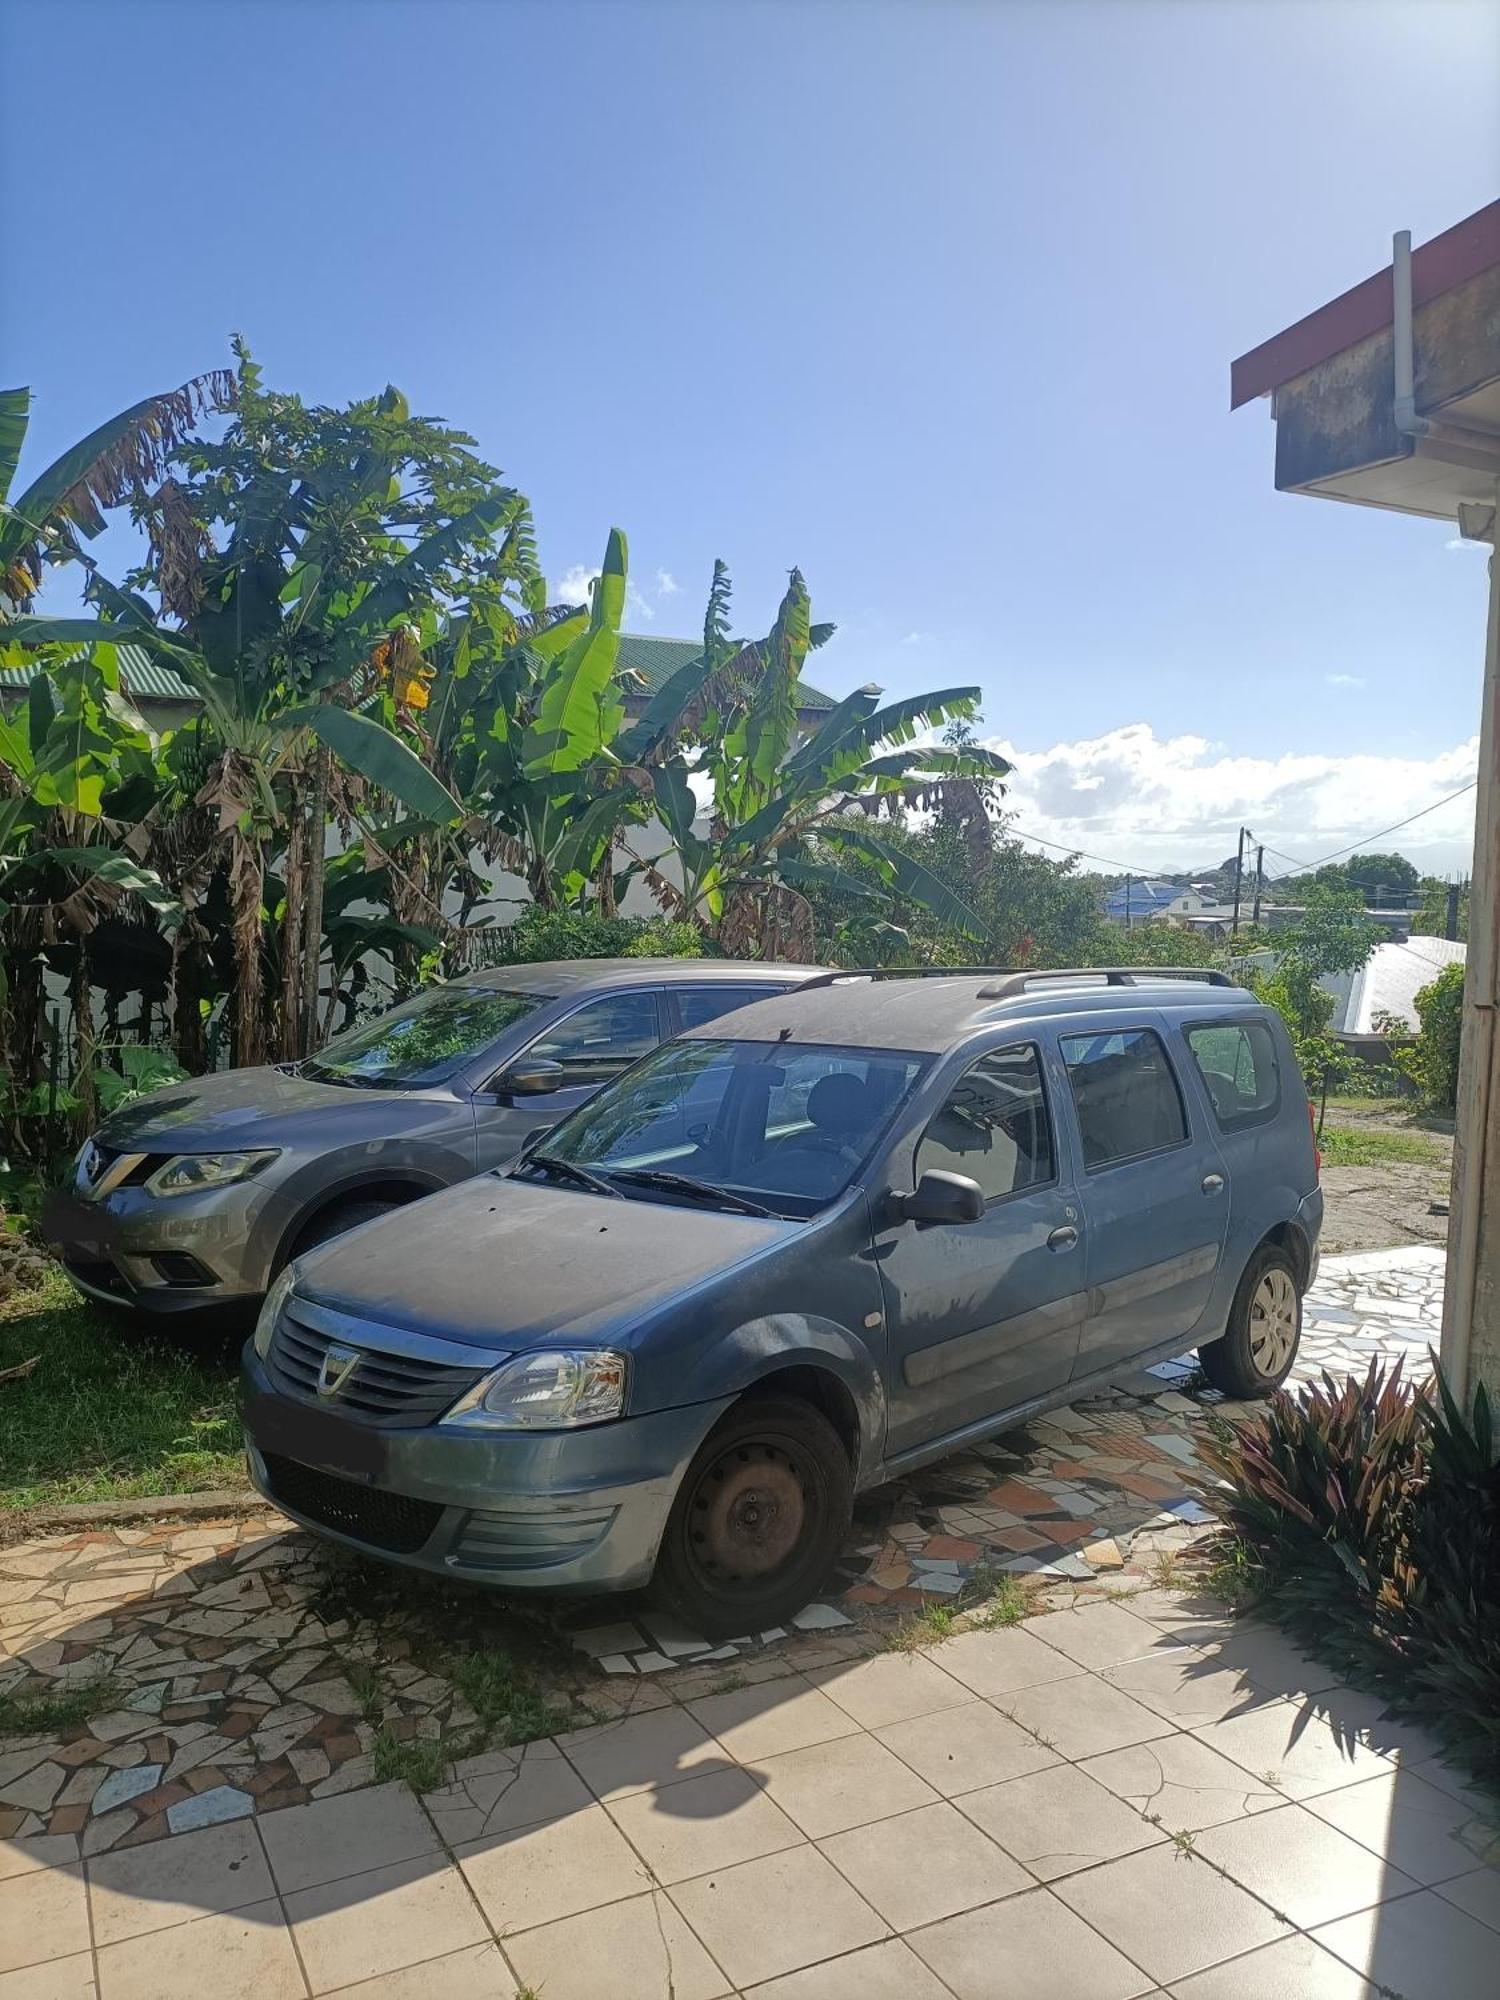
656,660
144,678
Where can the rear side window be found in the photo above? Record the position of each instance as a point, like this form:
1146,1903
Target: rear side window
1125,1094
697,1004
1237,1061
993,1126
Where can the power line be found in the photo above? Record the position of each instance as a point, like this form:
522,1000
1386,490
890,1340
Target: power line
1354,845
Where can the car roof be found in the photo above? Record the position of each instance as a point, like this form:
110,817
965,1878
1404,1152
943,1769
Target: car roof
929,1014
556,976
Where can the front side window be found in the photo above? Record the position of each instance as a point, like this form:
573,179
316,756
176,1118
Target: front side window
604,1037
425,1040
1237,1061
785,1125
993,1126
1125,1094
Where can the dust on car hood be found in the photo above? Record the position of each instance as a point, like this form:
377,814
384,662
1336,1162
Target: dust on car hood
233,1108
510,1263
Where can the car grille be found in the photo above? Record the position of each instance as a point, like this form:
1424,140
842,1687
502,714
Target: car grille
382,1388
363,1513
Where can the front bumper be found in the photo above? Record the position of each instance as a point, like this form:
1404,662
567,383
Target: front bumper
181,1255
556,1510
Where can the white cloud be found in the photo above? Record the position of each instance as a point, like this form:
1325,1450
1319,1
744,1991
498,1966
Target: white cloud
1345,680
916,639
575,585
666,584
1178,802
1467,542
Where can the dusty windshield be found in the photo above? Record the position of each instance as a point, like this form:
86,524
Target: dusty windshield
783,1125
424,1040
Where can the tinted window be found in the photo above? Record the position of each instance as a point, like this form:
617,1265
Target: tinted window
697,1004
1237,1062
603,1037
1125,1093
788,1125
424,1040
993,1126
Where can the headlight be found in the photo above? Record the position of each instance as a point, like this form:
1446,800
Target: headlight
271,1305
554,1389
193,1173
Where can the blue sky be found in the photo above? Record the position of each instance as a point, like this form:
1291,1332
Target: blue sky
937,301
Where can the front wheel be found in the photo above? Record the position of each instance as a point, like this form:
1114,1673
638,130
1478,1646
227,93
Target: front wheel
1255,1353
759,1517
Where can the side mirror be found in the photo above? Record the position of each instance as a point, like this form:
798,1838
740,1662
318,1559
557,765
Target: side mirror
941,1197
532,1077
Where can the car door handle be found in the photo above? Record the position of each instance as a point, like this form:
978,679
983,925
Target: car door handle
1212,1183
1063,1238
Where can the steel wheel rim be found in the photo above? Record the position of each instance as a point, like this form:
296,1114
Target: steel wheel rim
1273,1322
749,1515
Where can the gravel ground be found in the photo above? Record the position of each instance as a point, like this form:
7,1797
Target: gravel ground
1375,1207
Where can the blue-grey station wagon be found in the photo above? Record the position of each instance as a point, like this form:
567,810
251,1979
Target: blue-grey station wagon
803,1248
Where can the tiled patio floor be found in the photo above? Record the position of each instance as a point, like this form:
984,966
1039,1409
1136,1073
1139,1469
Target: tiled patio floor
771,1822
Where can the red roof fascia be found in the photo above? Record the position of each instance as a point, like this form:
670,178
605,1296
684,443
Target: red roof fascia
1459,254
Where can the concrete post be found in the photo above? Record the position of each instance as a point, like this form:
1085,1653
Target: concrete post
1471,1300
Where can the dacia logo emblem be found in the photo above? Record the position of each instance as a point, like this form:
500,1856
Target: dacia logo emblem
336,1367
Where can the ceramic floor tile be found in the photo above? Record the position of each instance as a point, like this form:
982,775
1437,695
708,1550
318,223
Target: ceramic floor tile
1098,1635
997,1663
345,1836
703,1823
1169,1914
1182,1783
832,1786
1412,1824
1029,1944
641,1949
641,1752
1420,1947
364,1925
777,1915
479,1973
43,1915
1301,1866
1293,1969
1082,1717
889,1971
1058,1821
1265,1655
59,1979
138,1889
775,1716
44,1850
525,1789
924,1865
1478,1893
1289,1746
892,1687
540,1873
1187,1687
962,1749
236,1955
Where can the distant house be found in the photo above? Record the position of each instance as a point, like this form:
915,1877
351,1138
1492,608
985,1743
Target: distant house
1140,902
1386,987
164,699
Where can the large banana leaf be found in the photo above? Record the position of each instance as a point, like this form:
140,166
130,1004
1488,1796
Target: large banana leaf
663,712
15,410
379,755
109,866
579,710
907,877
66,632
842,743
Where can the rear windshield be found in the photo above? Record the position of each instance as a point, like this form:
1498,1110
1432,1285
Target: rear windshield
424,1040
785,1124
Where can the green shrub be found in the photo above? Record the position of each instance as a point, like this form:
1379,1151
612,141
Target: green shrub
1430,1060
1365,1515
549,934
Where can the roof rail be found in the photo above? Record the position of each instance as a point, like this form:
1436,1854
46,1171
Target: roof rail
1112,975
905,972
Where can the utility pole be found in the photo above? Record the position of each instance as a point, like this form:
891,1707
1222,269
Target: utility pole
1260,883
1239,876
1128,880
1450,922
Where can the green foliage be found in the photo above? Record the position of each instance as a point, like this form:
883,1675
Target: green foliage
559,934
1356,1146
1366,1516
418,1761
1430,918
50,1714
1430,1061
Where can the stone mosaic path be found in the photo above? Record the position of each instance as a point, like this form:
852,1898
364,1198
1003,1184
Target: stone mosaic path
229,1669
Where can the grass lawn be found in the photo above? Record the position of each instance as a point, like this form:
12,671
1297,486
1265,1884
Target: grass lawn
1355,1146
108,1413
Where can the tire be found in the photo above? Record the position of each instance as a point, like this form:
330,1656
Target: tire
760,1515
1255,1353
343,1216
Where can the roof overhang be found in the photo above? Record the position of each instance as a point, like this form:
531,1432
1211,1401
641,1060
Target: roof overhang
1331,378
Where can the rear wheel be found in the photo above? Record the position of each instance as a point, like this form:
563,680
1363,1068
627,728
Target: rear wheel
1259,1345
759,1517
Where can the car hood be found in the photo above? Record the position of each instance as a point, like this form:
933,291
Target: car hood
236,1108
511,1263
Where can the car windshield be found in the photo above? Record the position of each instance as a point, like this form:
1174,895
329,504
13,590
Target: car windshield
424,1040
783,1125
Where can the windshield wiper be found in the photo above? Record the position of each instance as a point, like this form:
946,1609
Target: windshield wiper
580,1176
670,1183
